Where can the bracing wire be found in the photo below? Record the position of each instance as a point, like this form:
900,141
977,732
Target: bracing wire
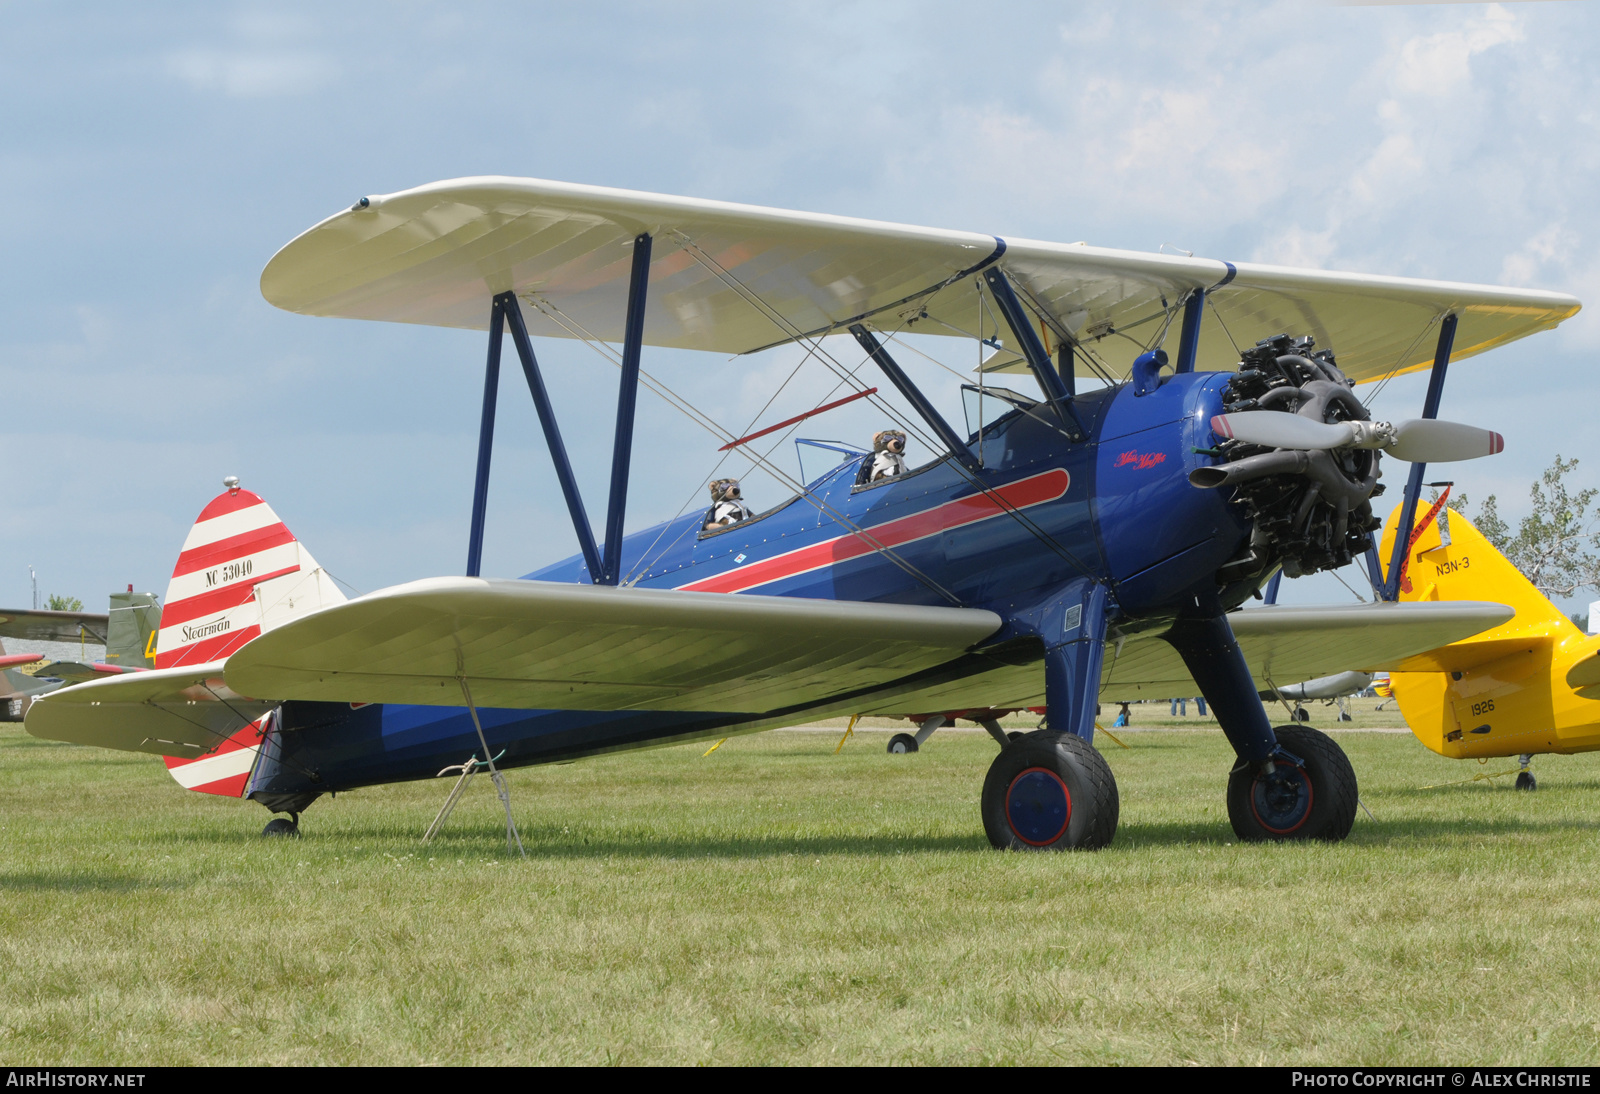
837,367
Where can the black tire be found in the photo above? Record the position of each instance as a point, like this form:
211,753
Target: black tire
1015,735
1314,802
902,743
1526,781
1301,714
1050,792
281,826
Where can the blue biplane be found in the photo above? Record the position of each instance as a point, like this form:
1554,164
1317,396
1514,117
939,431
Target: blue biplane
1085,543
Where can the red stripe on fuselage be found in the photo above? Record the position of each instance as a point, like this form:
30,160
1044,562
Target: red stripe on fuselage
226,550
217,600
1021,494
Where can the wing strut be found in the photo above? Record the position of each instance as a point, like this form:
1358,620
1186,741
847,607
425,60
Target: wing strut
1430,409
914,396
1189,339
508,310
627,397
1055,388
507,302
480,485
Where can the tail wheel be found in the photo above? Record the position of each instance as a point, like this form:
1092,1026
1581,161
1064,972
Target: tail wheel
1314,800
283,826
902,743
1050,792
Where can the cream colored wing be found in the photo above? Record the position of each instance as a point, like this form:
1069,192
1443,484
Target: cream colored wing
436,254
542,645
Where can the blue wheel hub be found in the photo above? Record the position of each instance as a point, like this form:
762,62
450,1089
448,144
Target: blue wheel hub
1282,800
1038,805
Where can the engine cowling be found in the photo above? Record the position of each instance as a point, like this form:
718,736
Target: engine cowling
1310,510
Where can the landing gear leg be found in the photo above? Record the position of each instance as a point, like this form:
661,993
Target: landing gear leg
1525,779
1001,737
1050,790
902,743
1294,783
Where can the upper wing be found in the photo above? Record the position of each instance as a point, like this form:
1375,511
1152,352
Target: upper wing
437,253
183,712
39,625
541,645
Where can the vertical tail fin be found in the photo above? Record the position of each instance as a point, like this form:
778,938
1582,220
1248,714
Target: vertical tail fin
1496,693
1451,560
131,632
241,573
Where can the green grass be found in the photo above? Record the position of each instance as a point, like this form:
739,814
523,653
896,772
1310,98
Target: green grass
774,902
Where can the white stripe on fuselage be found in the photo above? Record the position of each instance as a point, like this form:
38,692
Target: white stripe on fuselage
210,769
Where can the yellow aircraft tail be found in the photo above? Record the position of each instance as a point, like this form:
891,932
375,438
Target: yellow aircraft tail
1530,685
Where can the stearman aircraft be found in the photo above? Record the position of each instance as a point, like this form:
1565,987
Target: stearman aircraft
1088,534
1528,686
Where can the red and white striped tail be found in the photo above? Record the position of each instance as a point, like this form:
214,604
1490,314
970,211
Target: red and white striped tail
241,573
225,771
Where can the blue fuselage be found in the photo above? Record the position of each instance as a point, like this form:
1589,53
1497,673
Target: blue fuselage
1040,511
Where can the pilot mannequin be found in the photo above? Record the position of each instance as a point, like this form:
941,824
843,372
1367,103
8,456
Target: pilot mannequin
888,454
727,507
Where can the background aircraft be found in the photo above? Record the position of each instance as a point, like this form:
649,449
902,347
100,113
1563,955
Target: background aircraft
127,632
1083,540
1528,686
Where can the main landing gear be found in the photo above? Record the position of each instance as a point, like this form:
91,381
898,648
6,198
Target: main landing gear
1050,792
1306,792
1290,782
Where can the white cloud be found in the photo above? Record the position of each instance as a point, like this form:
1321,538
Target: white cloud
253,75
1439,64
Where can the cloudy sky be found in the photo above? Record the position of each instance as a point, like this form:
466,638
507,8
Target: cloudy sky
154,158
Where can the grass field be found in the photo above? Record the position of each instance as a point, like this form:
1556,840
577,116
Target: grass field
774,902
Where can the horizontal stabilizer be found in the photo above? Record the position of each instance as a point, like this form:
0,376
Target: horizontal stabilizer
184,712
542,645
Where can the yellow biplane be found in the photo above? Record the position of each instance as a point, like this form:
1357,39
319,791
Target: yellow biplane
1528,686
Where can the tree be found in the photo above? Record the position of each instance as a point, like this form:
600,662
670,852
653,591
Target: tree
1551,545
64,603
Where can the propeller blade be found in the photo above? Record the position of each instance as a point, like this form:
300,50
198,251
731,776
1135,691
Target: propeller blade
1428,440
1277,429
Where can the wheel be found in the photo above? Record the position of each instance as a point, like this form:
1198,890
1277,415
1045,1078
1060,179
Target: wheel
282,826
1316,801
1050,792
1301,714
1015,735
902,743
1526,781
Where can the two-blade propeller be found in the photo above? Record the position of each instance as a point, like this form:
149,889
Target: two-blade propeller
1419,440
